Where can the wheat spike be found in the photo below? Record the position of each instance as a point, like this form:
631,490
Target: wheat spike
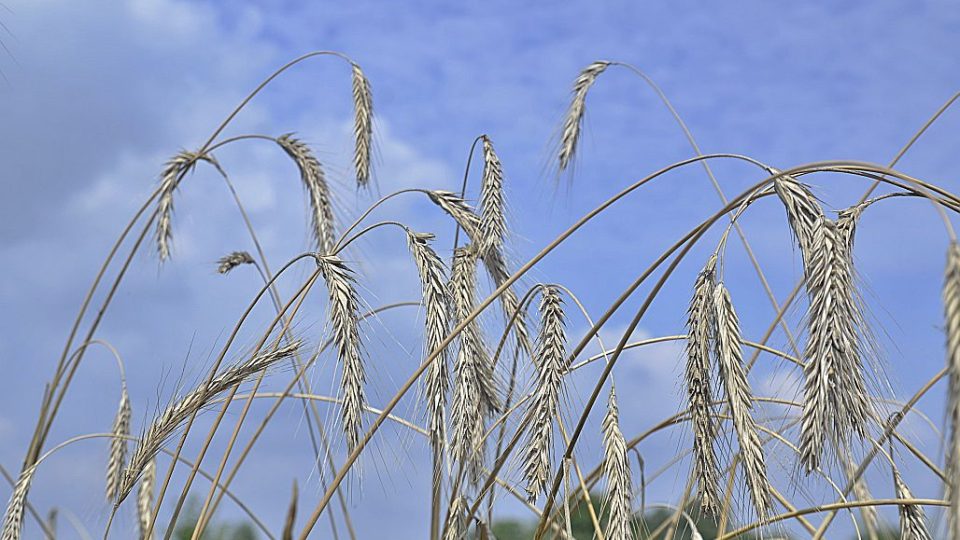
118,445
362,126
951,308
617,470
315,182
913,520
803,214
474,389
493,221
173,171
700,327
145,499
345,320
228,262
459,210
551,363
740,399
167,422
573,121
836,404
436,303
457,519
13,519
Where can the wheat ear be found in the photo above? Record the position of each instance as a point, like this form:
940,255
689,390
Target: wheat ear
497,269
803,213
474,390
118,445
13,520
228,262
170,419
345,320
951,308
315,182
493,221
436,303
836,404
175,168
459,210
551,363
913,520
145,498
617,470
740,399
457,519
573,121
700,327
362,126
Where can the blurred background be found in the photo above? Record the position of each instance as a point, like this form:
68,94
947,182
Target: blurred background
96,95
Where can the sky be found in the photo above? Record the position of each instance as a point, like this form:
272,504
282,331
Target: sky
97,95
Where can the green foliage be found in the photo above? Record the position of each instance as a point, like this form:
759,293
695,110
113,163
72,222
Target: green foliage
582,526
214,531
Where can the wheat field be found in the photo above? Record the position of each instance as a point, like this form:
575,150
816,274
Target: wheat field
499,399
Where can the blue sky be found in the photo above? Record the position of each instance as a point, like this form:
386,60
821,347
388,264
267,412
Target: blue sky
98,94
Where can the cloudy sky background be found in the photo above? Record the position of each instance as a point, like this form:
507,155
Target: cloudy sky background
99,94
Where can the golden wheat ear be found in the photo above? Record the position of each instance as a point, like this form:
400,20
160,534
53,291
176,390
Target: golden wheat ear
573,121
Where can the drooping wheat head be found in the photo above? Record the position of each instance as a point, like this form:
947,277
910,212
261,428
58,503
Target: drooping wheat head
551,365
167,422
116,461
315,182
836,405
145,497
616,468
459,210
701,324
474,390
362,126
803,214
436,304
13,519
951,308
344,306
733,375
173,171
573,121
228,262
493,221
913,520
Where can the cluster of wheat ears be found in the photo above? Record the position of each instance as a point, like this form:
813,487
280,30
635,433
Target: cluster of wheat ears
481,417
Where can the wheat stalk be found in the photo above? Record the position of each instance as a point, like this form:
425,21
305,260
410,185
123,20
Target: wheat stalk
145,499
740,399
118,445
474,390
493,221
573,121
165,424
700,328
362,125
836,404
497,269
436,303
291,518
228,262
345,320
551,362
315,182
617,470
175,168
951,307
913,520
